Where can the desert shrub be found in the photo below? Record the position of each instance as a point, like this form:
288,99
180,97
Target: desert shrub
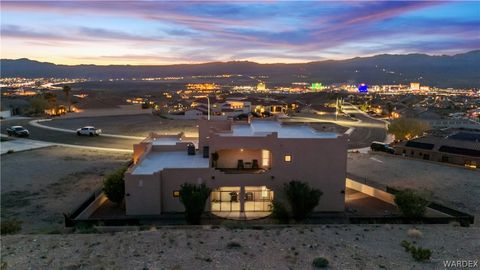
114,185
193,198
410,204
10,226
280,212
320,262
233,244
406,245
85,228
302,198
419,254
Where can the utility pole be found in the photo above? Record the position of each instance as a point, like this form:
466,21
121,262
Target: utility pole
208,107
336,110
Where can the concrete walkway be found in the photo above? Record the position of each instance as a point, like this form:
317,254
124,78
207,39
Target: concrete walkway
20,144
37,123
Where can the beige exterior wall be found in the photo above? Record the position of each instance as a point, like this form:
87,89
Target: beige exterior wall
321,162
143,194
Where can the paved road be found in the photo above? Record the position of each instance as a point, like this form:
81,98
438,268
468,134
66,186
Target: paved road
363,136
366,130
46,135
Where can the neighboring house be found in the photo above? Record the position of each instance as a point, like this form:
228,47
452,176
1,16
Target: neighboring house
245,163
462,148
5,114
268,105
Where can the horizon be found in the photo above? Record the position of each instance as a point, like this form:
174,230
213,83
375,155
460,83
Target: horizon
167,33
244,61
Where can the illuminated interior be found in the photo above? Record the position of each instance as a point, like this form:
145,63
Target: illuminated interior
227,199
258,199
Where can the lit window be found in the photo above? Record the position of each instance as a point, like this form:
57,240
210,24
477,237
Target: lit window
265,158
288,158
176,193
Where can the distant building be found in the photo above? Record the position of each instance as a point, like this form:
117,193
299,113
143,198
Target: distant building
202,87
462,148
261,86
317,86
414,86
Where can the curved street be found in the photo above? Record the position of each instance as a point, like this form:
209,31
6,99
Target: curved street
363,131
55,136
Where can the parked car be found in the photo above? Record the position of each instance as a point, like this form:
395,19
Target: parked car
89,130
382,147
18,131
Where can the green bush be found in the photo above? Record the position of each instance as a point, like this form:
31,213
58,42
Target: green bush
406,245
410,204
193,198
114,186
419,254
10,226
85,228
320,262
302,198
279,212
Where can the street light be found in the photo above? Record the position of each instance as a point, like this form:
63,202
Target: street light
208,107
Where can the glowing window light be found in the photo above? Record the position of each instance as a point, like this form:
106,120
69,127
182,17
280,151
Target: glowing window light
265,158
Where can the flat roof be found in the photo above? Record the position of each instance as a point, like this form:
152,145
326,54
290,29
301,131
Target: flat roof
157,161
165,141
263,128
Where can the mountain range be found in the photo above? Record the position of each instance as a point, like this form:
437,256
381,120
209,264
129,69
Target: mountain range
460,70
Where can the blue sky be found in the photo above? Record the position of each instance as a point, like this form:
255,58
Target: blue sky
148,32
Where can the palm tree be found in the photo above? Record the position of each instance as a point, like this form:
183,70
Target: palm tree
389,106
67,89
51,98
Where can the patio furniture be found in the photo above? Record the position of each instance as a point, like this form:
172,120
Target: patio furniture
255,164
240,164
233,197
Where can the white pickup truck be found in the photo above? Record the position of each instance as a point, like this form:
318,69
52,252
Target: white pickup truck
89,130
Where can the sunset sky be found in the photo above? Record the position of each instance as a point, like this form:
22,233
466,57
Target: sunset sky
144,32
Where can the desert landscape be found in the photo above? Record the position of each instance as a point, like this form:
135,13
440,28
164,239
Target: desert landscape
295,247
39,185
39,203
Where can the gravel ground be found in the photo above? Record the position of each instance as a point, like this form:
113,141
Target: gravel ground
39,185
454,186
344,246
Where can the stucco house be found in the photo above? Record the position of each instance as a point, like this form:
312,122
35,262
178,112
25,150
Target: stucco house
245,163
